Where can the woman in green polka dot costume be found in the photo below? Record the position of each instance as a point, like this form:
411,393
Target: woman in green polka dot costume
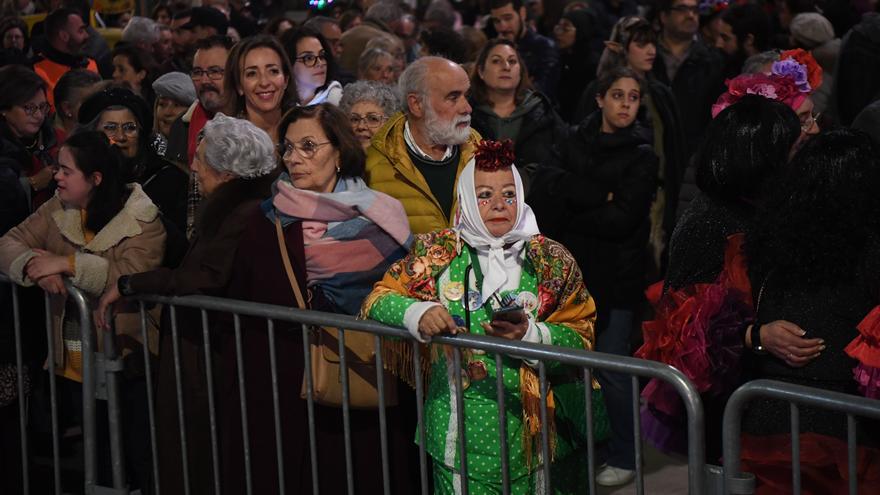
493,274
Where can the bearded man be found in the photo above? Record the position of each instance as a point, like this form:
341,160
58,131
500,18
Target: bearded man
417,155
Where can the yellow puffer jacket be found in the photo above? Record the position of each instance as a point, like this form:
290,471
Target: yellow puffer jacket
391,171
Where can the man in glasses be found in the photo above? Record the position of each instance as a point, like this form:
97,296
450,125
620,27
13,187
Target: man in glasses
416,156
208,77
685,64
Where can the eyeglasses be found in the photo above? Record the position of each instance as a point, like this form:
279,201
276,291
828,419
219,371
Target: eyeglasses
371,120
310,60
30,109
563,28
306,149
130,129
213,73
686,9
809,121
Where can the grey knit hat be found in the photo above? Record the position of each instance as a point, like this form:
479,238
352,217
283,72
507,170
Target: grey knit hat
811,29
238,147
177,86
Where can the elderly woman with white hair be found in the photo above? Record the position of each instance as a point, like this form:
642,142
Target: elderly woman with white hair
368,105
234,162
376,64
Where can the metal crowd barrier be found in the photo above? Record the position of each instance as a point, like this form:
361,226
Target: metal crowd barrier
585,360
95,386
737,482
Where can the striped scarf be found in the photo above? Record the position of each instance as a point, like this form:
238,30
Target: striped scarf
351,235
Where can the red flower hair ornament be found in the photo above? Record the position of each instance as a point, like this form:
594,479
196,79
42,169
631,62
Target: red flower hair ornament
493,155
791,80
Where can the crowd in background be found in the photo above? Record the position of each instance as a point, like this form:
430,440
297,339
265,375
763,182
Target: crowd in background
688,181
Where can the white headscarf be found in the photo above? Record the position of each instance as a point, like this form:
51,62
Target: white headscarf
470,226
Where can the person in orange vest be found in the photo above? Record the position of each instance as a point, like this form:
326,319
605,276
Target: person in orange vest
66,36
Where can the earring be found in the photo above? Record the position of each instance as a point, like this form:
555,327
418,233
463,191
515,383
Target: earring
338,168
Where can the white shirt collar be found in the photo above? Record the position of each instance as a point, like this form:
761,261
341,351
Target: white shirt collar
411,142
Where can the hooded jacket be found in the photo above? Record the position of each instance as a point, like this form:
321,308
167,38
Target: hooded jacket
535,128
390,170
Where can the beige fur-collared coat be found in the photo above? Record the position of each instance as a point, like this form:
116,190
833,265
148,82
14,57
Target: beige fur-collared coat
132,242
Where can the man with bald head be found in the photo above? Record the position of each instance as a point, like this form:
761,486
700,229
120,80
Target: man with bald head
417,155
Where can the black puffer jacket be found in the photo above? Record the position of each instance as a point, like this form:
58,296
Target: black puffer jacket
598,208
535,128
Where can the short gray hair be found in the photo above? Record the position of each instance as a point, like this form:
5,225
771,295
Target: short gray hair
369,57
414,80
238,147
442,13
386,11
372,91
141,30
755,64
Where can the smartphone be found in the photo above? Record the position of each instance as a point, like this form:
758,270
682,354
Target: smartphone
506,313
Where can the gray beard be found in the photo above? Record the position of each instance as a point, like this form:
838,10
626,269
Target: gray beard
445,133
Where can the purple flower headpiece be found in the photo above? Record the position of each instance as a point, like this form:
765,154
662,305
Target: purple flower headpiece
794,70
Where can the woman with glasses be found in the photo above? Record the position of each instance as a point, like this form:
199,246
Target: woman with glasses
340,237
126,120
28,144
368,104
258,83
505,106
313,67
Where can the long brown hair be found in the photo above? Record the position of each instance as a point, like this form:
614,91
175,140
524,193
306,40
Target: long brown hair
234,103
480,91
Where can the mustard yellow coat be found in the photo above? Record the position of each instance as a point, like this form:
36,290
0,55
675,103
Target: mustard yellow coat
391,171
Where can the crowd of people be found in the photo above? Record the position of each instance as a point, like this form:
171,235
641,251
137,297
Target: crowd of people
687,181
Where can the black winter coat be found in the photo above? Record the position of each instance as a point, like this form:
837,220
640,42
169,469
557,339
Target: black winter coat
857,81
698,83
541,135
167,185
598,208
674,148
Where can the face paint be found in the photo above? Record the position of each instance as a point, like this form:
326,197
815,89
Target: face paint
510,201
484,202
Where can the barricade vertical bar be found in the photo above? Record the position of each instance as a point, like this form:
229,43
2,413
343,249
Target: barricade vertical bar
502,425
242,395
546,455
276,407
383,425
420,413
151,404
53,398
87,338
346,413
851,454
795,449
459,412
212,409
114,412
89,425
310,407
588,402
178,382
637,437
19,361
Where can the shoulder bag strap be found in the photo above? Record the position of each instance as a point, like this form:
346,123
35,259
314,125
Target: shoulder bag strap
285,258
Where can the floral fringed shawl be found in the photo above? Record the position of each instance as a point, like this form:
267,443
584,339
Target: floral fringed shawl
866,349
562,299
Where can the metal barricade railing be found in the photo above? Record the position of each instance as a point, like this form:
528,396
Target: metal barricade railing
94,386
737,482
587,361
